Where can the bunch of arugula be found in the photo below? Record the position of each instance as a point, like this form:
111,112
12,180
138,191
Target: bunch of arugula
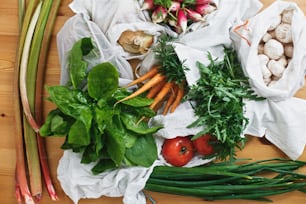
109,134
218,98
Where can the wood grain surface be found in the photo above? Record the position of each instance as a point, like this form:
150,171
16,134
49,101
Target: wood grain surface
8,43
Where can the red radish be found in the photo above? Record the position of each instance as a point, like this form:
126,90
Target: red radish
175,6
159,14
181,21
193,15
147,4
204,9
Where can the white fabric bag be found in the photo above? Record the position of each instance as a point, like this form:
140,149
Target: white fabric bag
281,118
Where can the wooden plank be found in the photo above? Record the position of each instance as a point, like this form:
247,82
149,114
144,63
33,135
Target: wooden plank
8,42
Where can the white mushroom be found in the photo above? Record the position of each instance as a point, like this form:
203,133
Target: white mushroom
288,48
283,60
266,73
283,33
266,37
276,68
287,16
275,22
260,48
273,49
272,33
263,59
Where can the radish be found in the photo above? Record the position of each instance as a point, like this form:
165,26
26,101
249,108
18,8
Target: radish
147,4
181,21
159,14
193,15
175,6
204,9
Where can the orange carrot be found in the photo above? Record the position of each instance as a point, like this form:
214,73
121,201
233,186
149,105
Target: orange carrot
177,101
152,72
170,99
154,90
152,82
162,94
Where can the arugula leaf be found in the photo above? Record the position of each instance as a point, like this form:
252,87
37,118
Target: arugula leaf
218,97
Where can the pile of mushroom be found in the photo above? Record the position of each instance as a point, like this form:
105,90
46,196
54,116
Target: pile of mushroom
276,48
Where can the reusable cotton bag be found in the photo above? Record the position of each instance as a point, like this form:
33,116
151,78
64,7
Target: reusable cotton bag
281,116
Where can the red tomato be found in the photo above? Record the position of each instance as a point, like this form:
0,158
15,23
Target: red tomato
202,145
178,151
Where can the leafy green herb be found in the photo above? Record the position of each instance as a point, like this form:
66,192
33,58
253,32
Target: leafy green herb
218,97
105,132
171,66
164,3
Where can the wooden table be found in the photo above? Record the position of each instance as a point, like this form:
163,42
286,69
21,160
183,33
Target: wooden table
8,44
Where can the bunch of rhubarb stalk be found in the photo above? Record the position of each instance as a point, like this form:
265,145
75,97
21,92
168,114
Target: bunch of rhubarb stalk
180,13
36,22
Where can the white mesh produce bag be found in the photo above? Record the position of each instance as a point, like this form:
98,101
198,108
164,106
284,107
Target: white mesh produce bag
281,118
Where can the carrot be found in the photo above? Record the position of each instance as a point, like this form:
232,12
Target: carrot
161,95
152,82
170,99
177,101
154,90
152,72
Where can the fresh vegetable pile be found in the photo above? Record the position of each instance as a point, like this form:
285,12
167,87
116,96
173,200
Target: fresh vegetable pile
165,81
235,179
95,124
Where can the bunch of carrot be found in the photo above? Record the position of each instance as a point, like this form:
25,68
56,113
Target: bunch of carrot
160,89
177,14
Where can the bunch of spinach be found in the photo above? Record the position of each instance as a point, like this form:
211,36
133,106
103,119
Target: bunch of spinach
105,132
218,98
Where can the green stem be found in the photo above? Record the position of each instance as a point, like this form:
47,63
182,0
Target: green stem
29,135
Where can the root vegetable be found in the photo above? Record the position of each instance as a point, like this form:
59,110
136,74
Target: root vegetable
136,42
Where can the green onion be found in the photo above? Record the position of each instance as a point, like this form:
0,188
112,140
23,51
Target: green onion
230,179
